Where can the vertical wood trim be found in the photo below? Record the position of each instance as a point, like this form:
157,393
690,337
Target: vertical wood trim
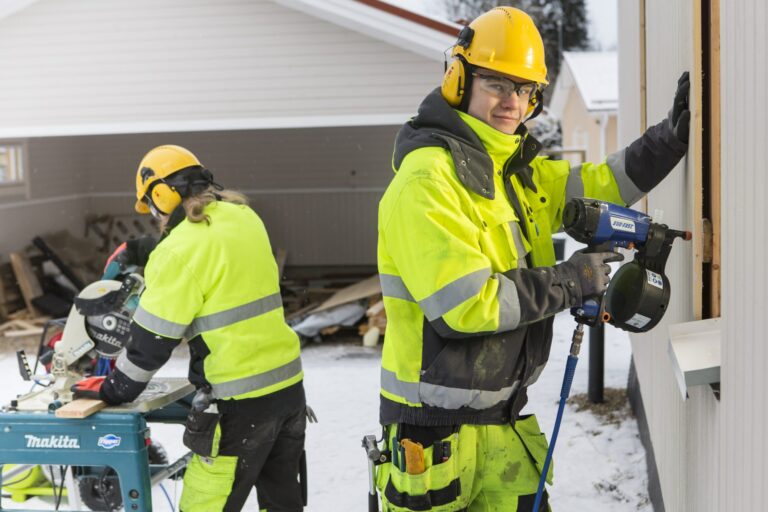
714,182
643,84
695,152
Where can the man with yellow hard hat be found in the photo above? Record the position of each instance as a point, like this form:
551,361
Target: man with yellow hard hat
468,270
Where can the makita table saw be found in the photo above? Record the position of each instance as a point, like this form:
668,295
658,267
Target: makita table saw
117,437
76,454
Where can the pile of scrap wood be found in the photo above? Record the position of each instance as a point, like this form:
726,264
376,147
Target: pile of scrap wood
11,300
18,288
20,327
332,310
29,296
79,260
107,232
375,325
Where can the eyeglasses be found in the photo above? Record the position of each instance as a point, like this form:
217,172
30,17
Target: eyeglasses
501,87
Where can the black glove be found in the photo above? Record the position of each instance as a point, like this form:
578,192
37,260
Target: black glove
680,116
651,157
589,271
137,251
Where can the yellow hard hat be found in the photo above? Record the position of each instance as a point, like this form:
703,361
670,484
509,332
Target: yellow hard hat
156,166
505,40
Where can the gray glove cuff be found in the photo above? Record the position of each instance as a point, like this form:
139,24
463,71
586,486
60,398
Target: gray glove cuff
569,281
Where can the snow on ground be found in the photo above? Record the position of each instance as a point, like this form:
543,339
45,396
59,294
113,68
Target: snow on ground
598,467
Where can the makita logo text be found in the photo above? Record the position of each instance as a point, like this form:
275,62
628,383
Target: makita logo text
52,442
109,339
622,225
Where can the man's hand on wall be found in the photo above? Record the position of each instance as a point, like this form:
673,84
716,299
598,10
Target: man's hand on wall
680,115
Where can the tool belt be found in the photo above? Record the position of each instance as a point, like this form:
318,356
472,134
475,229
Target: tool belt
424,471
435,468
202,432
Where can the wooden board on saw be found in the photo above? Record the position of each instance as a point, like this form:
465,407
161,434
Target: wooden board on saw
80,408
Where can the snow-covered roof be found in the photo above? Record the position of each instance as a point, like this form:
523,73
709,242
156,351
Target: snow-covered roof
594,74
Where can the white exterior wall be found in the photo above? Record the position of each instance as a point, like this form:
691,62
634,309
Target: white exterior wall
711,455
296,109
668,53
88,66
744,418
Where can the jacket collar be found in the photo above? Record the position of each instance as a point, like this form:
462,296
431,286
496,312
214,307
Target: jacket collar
438,124
176,218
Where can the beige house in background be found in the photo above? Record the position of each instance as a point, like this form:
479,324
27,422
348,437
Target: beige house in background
585,100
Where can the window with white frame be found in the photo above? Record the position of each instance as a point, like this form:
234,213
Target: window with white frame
11,164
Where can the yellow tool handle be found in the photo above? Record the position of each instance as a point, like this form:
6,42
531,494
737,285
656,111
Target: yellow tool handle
414,457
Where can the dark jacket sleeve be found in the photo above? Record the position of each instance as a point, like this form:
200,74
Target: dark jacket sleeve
143,356
544,291
650,158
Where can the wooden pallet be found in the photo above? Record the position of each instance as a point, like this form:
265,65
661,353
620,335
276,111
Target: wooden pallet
109,231
22,326
28,281
11,300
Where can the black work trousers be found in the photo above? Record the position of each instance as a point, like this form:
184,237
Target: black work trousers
269,446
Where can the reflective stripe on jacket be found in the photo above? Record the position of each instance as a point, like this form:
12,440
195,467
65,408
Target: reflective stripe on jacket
468,208
216,284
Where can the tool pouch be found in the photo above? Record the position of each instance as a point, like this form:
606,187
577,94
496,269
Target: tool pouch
535,442
437,489
202,433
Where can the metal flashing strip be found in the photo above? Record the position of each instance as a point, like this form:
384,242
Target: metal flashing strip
694,350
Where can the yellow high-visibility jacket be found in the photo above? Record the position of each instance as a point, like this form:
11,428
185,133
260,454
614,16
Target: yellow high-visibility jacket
215,284
466,262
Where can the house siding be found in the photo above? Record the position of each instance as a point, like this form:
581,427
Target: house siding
710,455
85,62
744,415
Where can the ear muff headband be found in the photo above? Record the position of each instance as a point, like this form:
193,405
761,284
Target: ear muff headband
535,105
165,194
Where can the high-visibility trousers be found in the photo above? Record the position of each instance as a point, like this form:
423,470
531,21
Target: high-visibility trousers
477,468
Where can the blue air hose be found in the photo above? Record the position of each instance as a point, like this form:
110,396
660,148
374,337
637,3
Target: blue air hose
565,391
103,367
